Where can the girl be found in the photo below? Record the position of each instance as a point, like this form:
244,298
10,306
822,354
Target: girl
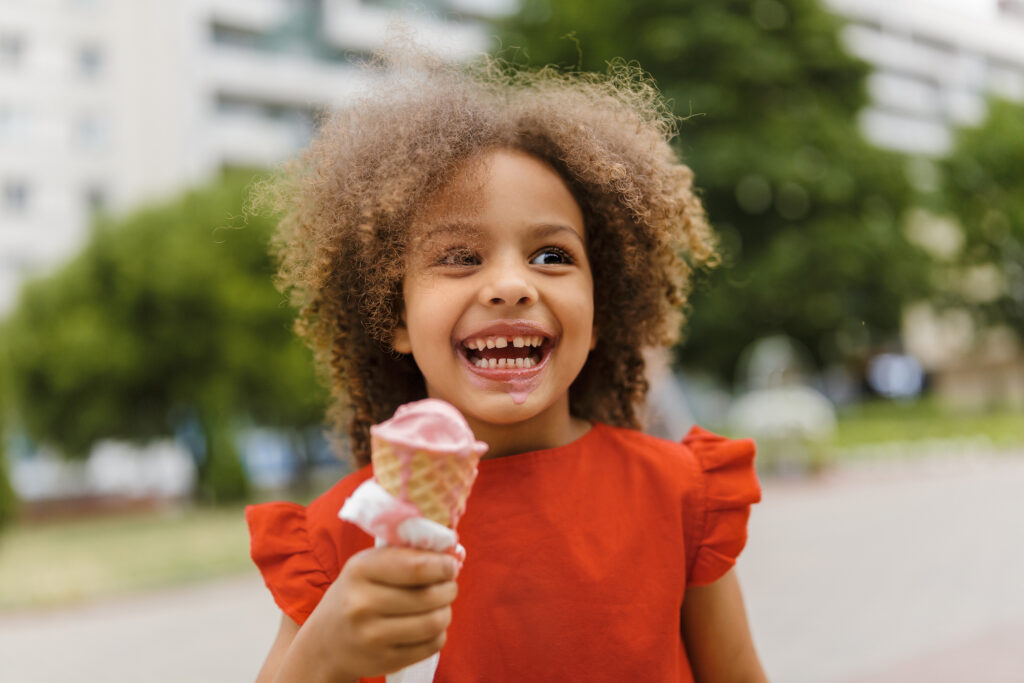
509,242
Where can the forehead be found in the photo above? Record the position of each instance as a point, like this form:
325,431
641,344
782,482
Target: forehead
502,186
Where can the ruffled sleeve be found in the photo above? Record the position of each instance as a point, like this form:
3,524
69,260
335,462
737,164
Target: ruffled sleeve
730,487
282,548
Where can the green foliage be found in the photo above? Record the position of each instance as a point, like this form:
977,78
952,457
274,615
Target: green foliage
222,479
168,312
808,213
8,498
981,188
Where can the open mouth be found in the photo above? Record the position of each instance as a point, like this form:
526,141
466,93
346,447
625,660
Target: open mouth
506,352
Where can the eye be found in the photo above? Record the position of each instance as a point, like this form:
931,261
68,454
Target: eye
459,256
551,256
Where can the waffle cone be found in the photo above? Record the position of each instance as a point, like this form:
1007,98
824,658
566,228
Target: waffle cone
437,483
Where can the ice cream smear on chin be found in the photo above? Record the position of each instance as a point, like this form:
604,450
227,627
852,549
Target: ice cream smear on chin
519,390
426,455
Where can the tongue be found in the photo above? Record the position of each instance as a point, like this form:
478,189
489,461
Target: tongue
507,352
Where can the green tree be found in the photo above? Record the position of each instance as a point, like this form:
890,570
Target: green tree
808,213
981,188
166,315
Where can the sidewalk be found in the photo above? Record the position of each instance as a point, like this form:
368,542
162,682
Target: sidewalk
995,655
890,574
215,632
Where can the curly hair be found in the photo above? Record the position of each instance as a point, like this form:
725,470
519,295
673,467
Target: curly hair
347,203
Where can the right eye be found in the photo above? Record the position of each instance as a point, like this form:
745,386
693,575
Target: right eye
459,256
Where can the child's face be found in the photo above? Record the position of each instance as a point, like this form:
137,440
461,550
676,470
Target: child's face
498,259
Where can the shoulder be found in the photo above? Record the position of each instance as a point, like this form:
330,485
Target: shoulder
699,453
728,487
300,550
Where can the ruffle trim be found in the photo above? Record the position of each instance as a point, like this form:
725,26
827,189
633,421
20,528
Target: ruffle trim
730,488
281,548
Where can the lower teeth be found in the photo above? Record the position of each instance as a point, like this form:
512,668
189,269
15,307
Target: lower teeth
503,363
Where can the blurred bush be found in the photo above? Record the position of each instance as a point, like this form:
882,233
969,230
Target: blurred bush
167,316
809,214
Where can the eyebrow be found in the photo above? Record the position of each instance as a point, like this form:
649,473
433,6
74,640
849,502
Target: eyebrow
467,228
548,229
461,228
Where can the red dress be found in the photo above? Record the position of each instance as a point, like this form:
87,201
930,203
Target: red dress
578,557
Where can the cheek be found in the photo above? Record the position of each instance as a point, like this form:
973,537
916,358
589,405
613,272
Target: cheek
429,318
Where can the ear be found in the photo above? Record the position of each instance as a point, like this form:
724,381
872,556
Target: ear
400,341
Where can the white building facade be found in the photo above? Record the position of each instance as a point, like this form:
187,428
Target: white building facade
105,104
936,62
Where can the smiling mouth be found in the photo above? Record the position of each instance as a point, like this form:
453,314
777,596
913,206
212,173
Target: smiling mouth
503,352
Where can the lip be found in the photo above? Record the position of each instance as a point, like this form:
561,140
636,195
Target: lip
509,328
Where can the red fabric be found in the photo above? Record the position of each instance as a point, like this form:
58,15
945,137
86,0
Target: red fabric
578,557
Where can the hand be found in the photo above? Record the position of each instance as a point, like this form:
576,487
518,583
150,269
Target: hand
387,609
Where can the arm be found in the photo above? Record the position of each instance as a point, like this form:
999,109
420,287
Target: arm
717,635
387,609
285,635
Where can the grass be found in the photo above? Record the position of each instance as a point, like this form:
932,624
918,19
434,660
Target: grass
887,421
46,564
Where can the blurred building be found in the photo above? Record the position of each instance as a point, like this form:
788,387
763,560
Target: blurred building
936,65
936,62
105,104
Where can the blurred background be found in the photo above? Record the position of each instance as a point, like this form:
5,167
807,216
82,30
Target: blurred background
860,159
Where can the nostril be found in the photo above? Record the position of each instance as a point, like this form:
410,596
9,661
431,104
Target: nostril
496,300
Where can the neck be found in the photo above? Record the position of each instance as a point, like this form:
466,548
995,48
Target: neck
551,428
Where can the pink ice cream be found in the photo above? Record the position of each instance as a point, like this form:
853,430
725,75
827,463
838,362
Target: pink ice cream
430,425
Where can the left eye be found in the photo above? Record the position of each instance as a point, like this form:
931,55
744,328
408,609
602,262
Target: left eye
551,256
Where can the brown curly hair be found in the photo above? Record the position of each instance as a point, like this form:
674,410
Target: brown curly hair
348,200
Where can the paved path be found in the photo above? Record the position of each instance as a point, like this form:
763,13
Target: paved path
891,573
214,632
899,573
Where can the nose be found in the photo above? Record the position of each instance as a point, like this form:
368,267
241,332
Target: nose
508,284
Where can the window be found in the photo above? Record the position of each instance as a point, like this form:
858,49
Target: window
16,196
90,61
91,131
95,199
12,49
233,36
14,125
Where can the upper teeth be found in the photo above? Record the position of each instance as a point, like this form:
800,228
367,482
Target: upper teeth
481,343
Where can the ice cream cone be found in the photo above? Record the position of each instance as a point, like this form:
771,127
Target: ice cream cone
426,455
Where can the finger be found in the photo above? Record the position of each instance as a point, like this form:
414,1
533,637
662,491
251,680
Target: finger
406,566
395,601
418,651
405,631
405,655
